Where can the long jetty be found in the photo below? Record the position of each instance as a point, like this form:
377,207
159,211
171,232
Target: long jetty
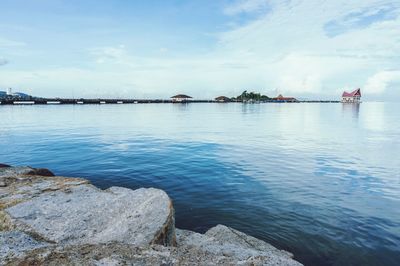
86,101
56,101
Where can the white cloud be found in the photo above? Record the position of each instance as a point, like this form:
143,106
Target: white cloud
287,46
246,6
10,43
292,47
379,82
109,54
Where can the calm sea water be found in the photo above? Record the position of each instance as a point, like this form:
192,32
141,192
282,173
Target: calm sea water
319,180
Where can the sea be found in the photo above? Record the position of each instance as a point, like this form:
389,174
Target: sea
321,180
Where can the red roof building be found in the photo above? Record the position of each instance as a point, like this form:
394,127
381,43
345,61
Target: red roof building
222,99
181,98
351,97
280,98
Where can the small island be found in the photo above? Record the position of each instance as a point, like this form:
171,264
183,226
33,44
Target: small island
251,97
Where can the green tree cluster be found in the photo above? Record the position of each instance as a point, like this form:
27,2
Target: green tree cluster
245,96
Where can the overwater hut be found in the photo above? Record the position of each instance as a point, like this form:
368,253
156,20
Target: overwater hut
222,99
181,98
351,97
280,98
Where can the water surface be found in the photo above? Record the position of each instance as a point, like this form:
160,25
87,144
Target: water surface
319,180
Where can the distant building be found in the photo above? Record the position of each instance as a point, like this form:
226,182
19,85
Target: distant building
22,96
181,98
3,94
280,98
351,97
14,95
222,99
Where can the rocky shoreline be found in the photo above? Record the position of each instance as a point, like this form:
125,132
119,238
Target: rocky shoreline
53,220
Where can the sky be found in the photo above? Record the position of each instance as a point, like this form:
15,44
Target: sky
310,49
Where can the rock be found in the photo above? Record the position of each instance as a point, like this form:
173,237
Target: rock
228,236
15,244
40,171
221,245
19,188
87,215
227,246
2,165
101,254
16,171
8,171
53,220
22,173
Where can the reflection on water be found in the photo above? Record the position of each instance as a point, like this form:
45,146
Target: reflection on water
374,118
351,108
250,108
320,180
182,106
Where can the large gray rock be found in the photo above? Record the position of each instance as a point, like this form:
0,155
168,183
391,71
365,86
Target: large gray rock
100,254
219,246
10,174
15,244
21,171
87,215
52,220
226,246
2,165
19,184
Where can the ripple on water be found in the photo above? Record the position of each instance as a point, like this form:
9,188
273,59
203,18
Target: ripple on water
319,180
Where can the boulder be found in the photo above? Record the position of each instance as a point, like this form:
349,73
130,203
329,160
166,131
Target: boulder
53,220
7,171
222,245
22,173
100,254
19,184
87,215
16,244
41,172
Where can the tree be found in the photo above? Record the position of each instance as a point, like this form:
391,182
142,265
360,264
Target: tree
245,96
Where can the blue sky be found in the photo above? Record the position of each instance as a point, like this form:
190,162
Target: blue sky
310,49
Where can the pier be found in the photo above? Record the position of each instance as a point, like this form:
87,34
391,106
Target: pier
59,101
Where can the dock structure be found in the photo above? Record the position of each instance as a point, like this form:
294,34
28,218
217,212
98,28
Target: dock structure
58,101
23,102
61,101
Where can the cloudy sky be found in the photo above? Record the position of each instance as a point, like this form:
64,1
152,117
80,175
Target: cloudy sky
157,48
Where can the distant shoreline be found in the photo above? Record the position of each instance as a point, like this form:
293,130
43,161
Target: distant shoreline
57,101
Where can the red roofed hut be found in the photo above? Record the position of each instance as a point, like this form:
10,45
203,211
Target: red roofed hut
280,98
222,99
351,97
181,98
